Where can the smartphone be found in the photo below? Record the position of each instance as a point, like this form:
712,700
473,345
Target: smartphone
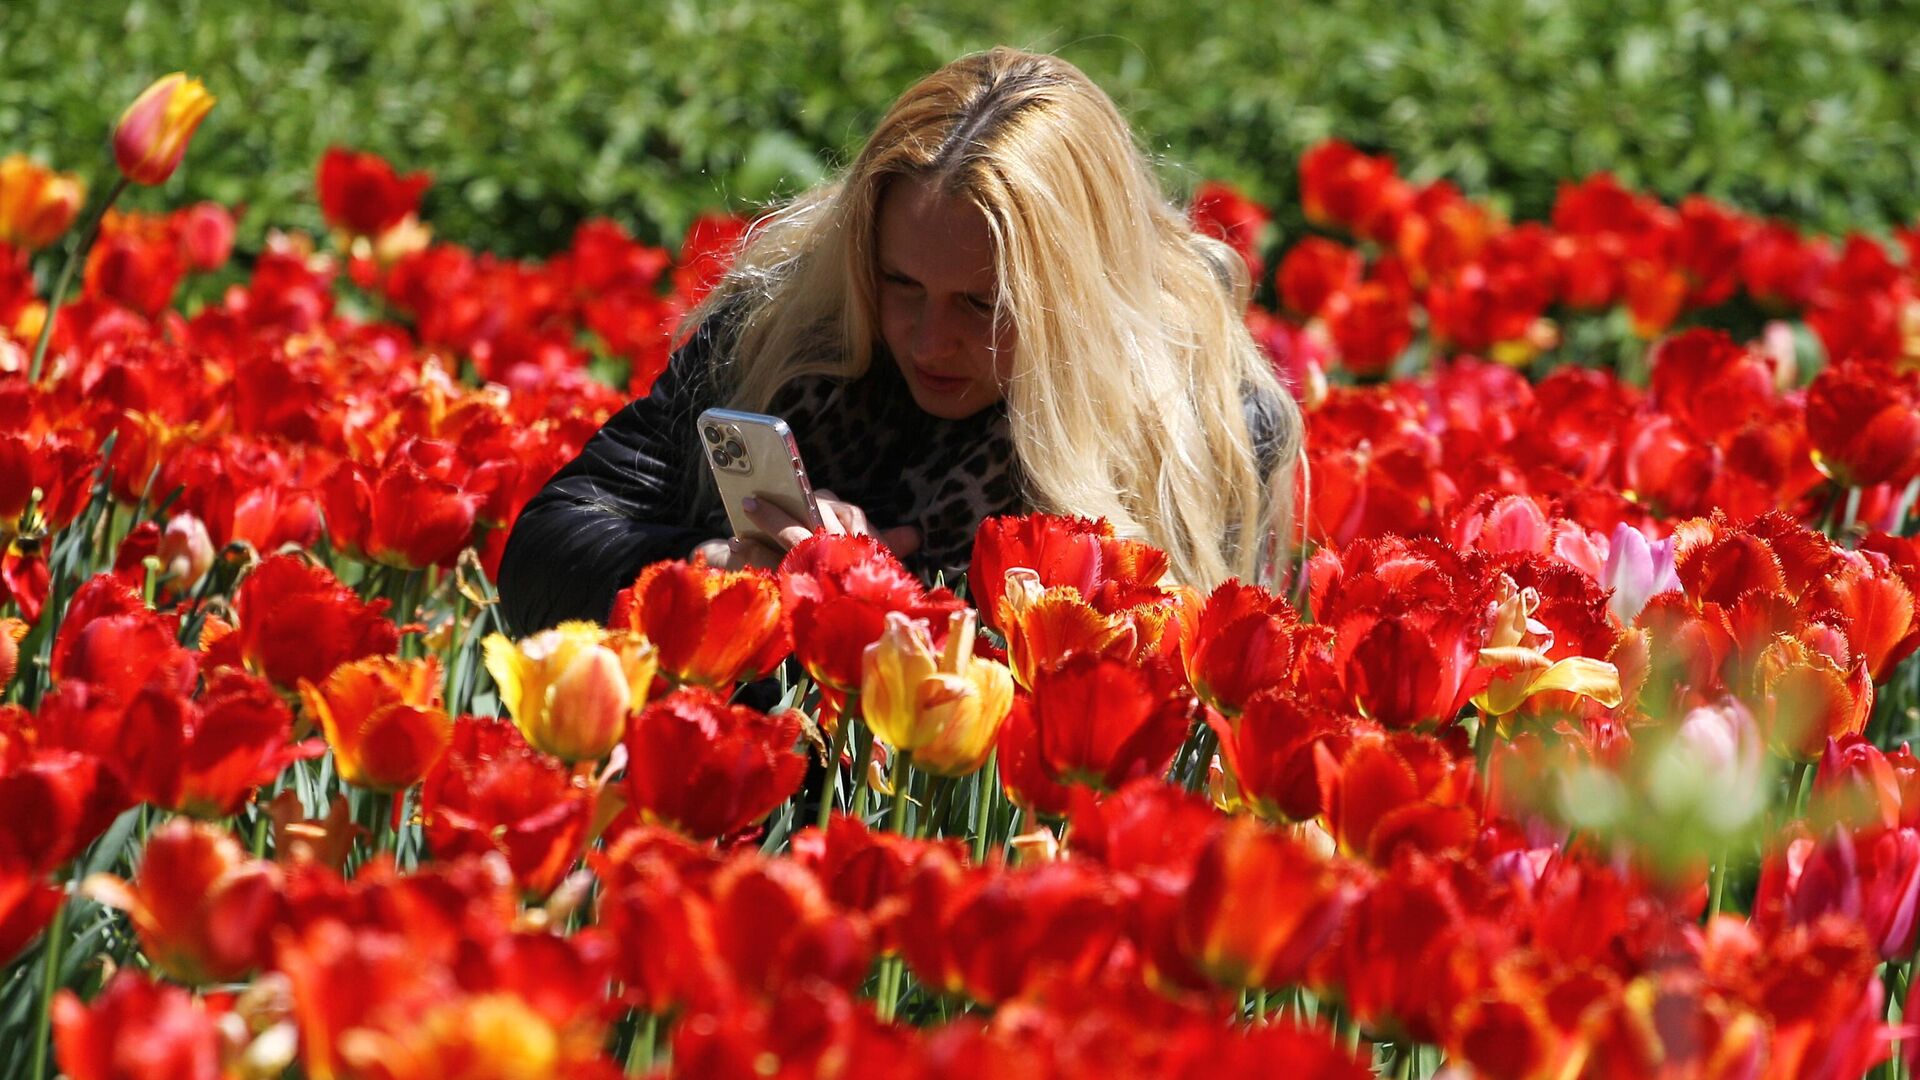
755,454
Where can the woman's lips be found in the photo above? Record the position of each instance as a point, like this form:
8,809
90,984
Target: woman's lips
946,384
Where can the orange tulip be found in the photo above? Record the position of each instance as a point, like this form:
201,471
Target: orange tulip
202,910
36,203
153,133
382,716
713,627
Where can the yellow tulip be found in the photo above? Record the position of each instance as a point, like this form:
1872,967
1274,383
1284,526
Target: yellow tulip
943,708
570,689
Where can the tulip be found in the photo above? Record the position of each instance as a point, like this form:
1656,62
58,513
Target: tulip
492,792
836,591
11,633
1261,906
361,195
1516,651
712,627
154,131
1237,643
185,552
202,910
36,203
943,707
1638,569
136,1030
709,768
570,689
206,235
382,716
297,623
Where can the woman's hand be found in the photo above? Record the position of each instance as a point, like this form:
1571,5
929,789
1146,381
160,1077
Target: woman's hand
836,516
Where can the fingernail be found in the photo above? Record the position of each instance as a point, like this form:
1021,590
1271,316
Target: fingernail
750,504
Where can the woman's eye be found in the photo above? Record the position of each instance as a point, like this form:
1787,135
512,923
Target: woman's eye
981,304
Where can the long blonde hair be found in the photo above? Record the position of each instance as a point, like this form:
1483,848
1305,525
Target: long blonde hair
1133,362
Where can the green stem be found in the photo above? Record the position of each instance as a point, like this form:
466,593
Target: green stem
1716,886
59,294
902,764
640,1054
983,805
863,757
50,982
833,771
1802,787
260,828
892,973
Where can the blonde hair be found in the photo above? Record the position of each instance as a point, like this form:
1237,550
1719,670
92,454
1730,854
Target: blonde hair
1133,363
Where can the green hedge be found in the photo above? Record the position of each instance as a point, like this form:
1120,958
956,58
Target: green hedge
533,113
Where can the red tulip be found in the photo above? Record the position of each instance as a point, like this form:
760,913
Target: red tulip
1108,573
1100,721
492,792
1397,790
709,768
297,623
206,235
1269,753
712,628
361,195
1313,271
989,933
1261,907
136,1030
1341,186
837,591
1864,422
1222,212
1237,643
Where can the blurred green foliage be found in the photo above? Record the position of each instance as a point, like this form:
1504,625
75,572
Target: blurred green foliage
534,113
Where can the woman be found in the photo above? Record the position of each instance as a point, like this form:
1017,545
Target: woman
995,310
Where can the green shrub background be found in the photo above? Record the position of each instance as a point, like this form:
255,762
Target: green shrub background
534,113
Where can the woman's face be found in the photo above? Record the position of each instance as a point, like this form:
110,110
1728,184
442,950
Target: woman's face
937,292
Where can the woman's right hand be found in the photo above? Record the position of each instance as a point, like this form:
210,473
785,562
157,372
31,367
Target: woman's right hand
734,553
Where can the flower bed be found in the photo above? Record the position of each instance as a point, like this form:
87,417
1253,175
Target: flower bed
1574,747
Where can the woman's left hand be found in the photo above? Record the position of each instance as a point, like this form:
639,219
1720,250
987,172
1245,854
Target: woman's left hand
836,516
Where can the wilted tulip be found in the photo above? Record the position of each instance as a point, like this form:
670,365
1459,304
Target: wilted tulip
942,707
569,689
36,203
153,133
382,716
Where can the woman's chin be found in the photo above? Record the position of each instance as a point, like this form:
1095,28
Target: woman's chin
949,405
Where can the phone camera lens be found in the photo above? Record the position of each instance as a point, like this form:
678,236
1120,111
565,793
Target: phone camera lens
734,449
713,433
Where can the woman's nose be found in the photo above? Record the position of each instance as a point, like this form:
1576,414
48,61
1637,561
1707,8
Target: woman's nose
935,334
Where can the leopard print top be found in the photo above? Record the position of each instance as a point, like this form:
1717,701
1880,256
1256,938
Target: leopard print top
866,440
